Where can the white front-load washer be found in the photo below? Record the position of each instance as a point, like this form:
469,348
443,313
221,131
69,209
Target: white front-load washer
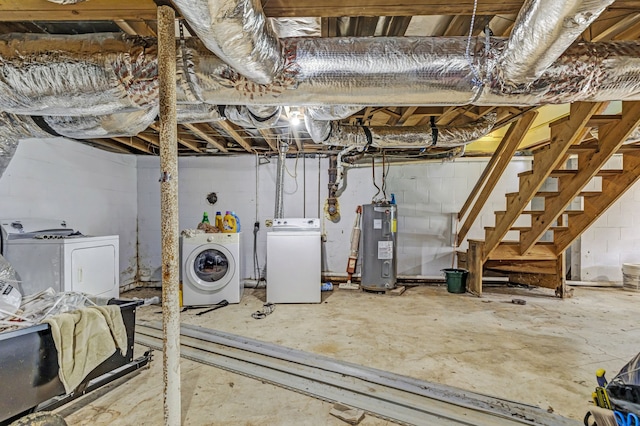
211,269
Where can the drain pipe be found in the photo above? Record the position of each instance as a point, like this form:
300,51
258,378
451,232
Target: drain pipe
332,199
282,156
169,215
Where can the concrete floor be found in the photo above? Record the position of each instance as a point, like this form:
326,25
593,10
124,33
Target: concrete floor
543,353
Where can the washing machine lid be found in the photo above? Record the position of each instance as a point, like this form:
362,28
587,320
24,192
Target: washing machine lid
210,267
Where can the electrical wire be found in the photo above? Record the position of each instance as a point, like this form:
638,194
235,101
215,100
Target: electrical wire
373,173
476,76
385,170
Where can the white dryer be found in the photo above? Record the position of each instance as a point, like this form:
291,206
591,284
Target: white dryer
211,269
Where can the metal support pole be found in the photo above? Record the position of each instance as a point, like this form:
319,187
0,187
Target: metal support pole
169,215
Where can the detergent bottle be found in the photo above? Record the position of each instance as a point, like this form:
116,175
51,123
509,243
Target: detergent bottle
237,221
205,217
229,223
218,221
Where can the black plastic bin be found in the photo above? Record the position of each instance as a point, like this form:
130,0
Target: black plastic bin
29,365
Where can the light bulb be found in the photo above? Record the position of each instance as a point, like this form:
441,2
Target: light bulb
295,120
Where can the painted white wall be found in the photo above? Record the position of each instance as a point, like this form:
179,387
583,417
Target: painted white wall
93,190
428,196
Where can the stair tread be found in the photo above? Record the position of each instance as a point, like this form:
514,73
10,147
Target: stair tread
570,172
527,228
517,242
539,212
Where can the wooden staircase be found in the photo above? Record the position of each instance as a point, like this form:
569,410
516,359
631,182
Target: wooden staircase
531,259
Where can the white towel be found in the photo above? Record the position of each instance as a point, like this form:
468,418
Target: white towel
84,339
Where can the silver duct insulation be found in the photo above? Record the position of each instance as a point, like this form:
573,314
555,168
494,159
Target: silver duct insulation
78,75
296,27
197,113
410,137
316,119
103,126
542,32
319,130
332,112
12,129
259,116
348,71
420,71
592,72
236,31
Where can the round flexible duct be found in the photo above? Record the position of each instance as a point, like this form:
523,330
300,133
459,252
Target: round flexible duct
408,137
238,32
12,129
77,75
542,32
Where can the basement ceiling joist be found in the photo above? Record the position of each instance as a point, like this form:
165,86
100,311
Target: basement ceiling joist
620,21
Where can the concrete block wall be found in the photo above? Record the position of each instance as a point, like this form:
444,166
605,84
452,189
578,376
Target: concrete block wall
428,195
93,190
614,238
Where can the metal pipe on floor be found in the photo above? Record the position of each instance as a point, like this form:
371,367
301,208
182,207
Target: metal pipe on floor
169,215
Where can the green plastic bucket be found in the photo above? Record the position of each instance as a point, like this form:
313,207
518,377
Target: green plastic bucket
456,280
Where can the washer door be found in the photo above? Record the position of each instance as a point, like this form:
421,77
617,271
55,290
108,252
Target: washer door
210,267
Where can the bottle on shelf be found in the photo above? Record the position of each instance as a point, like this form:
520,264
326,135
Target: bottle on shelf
229,223
237,221
218,221
205,217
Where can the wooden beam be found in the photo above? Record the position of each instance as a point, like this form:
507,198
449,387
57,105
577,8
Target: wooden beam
494,170
611,28
334,8
151,138
408,112
232,129
136,143
612,136
94,10
562,137
132,27
474,265
269,139
182,138
202,132
109,145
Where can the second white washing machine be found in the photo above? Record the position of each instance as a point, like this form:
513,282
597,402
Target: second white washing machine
211,269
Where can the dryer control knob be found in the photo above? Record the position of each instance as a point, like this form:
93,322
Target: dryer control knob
210,239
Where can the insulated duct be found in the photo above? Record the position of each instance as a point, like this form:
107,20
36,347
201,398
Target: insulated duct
102,126
12,129
543,30
258,116
238,32
420,71
316,119
296,27
409,137
92,74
